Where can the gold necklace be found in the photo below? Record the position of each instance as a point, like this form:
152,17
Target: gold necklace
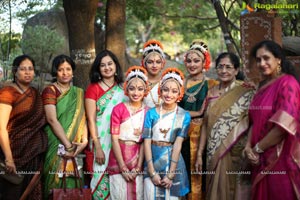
61,87
191,96
23,91
164,131
136,131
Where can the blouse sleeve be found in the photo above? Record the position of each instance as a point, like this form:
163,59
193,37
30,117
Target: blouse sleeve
287,105
185,126
147,132
49,95
94,91
115,120
7,96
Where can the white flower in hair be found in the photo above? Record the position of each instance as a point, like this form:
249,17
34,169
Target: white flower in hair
195,46
135,73
155,47
172,75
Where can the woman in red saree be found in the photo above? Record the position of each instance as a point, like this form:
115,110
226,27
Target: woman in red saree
273,146
22,138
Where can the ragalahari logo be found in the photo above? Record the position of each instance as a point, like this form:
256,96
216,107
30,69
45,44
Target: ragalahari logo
247,9
278,7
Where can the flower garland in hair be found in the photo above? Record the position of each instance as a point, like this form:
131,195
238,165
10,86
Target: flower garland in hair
199,46
172,74
152,46
136,72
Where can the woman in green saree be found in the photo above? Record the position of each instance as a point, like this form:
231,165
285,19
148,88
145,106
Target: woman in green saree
66,129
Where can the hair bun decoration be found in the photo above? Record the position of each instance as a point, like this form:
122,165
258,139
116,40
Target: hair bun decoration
136,72
153,46
198,45
173,73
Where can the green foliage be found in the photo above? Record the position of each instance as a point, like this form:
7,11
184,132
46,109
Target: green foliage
14,44
41,42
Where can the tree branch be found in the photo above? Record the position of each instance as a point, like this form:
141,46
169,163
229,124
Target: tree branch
188,16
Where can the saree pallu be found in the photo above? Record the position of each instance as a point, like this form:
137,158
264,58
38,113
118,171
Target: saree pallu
100,180
178,121
227,123
122,125
71,115
121,189
278,175
190,146
27,139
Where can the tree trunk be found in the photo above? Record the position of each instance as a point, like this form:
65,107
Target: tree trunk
225,30
80,15
115,29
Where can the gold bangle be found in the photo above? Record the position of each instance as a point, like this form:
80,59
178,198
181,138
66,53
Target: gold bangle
70,149
9,161
84,140
170,177
152,174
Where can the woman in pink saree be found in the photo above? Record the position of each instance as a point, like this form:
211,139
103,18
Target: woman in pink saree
273,147
127,155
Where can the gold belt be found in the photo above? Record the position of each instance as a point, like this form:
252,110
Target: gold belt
161,143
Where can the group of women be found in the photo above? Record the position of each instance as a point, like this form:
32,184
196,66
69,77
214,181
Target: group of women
154,133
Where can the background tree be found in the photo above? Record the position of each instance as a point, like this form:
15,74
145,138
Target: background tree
80,15
41,42
115,29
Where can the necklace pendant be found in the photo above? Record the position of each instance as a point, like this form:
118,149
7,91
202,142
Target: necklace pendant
191,99
164,131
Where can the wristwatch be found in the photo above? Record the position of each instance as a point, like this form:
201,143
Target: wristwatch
257,149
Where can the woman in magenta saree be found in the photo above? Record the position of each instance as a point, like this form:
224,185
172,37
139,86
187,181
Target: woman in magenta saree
274,145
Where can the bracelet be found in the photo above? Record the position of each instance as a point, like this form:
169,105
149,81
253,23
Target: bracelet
137,170
153,174
170,177
9,161
174,161
257,149
124,169
84,140
70,149
148,161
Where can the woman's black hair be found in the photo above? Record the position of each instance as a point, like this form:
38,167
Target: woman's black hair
57,61
95,74
17,61
276,50
234,59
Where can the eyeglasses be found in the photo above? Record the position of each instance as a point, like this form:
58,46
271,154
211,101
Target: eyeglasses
226,67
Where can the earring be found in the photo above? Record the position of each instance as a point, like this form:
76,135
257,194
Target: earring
99,77
116,74
278,69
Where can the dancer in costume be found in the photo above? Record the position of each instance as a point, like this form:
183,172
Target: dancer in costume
104,92
127,155
165,128
196,85
154,61
65,114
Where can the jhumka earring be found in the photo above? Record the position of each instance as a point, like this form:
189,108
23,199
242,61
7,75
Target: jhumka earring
278,69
